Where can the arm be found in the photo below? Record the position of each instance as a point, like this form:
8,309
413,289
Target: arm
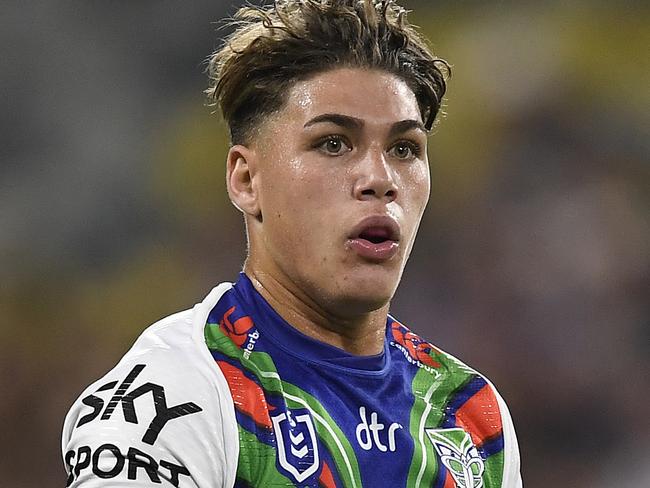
163,416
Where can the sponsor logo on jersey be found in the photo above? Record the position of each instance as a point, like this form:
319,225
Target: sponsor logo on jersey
125,396
107,461
416,350
459,456
297,444
242,331
371,433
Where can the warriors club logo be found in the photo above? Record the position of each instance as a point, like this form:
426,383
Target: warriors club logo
459,455
415,349
297,446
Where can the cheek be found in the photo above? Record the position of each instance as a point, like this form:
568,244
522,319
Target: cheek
282,184
417,186
301,181
295,205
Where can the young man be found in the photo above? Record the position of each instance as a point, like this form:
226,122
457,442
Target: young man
296,375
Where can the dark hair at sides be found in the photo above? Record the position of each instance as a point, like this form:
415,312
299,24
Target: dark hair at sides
273,47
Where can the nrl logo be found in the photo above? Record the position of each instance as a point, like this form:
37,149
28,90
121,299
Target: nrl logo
459,455
297,446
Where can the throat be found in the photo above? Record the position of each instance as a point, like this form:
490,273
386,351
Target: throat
361,335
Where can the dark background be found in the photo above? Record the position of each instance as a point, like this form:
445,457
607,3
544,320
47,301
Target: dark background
532,263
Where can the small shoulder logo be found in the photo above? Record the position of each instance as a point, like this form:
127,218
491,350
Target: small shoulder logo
241,331
416,350
459,455
297,445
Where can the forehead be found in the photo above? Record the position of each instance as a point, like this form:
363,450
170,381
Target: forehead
377,97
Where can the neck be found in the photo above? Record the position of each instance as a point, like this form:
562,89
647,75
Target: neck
361,334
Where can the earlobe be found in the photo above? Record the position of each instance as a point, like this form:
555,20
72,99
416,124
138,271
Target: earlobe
240,179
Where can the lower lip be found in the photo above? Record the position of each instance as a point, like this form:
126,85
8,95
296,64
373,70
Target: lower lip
374,252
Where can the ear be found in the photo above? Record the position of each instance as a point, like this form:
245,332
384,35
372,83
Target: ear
240,180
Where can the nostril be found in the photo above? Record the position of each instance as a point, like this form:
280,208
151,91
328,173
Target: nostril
368,192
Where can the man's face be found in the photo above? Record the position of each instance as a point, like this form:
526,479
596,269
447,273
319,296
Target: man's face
342,180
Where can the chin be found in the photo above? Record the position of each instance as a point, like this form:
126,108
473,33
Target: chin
362,292
349,307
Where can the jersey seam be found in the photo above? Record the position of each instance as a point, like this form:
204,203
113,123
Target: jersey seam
199,317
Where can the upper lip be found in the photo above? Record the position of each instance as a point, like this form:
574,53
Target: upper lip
378,223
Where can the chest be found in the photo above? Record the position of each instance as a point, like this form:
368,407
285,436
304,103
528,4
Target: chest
309,427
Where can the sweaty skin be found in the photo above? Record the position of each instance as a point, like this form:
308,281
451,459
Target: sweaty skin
348,145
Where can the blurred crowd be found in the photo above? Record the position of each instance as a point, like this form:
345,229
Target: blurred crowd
532,263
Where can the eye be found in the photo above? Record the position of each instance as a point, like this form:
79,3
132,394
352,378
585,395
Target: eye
333,146
405,150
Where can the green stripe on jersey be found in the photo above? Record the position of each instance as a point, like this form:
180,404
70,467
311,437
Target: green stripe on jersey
431,395
493,475
263,471
262,366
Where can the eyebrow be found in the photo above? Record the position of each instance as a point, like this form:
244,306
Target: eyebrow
338,119
405,126
350,122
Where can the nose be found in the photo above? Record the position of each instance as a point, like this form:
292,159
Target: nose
375,179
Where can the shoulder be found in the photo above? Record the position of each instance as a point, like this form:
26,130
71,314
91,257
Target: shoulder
466,398
163,414
478,408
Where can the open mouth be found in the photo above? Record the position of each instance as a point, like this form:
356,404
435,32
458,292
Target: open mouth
376,235
376,238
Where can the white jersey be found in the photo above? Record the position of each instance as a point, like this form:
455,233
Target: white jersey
196,403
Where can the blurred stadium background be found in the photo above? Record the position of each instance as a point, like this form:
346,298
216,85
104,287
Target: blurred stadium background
532,263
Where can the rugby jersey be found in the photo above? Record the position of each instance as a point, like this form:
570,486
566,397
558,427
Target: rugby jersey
229,394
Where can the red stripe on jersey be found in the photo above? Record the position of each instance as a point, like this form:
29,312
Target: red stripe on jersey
247,395
480,416
449,481
326,480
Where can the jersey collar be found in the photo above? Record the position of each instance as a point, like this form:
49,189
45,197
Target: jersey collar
294,342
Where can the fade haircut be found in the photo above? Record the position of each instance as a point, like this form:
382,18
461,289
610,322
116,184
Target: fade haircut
274,47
